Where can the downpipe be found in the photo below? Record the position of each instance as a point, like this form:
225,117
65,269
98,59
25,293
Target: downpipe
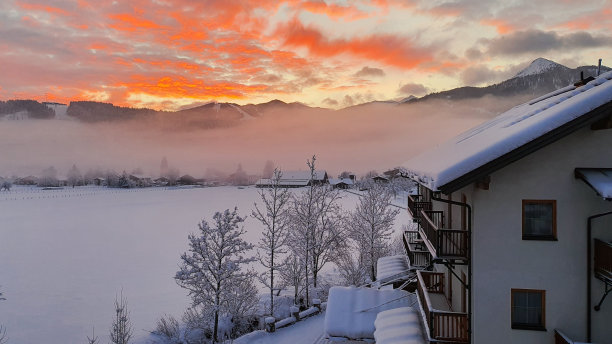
435,197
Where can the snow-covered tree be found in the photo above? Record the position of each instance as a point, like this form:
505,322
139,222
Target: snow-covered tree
214,263
74,176
371,224
304,217
6,185
292,273
351,266
315,227
275,217
48,177
328,234
121,330
268,170
239,177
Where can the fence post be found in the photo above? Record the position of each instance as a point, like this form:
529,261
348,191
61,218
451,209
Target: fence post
270,324
295,312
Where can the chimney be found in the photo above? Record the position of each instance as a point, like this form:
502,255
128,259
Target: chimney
599,67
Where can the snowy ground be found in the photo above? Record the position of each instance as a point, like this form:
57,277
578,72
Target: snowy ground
66,253
307,331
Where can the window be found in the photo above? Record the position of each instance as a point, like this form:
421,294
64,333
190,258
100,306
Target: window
528,309
539,220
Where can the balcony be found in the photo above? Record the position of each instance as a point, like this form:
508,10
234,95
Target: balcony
417,252
447,244
416,203
443,325
603,260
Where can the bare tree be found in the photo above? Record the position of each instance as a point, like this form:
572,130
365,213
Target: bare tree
93,339
214,263
3,336
371,224
292,273
275,218
121,329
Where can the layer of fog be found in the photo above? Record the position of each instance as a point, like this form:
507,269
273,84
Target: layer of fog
359,139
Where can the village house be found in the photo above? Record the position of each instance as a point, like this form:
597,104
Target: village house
515,224
296,179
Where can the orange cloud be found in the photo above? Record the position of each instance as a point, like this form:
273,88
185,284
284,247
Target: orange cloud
182,87
502,27
44,8
130,23
332,10
388,49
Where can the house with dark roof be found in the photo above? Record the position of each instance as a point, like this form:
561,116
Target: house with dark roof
515,224
296,179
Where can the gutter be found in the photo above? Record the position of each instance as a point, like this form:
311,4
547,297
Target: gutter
589,267
435,197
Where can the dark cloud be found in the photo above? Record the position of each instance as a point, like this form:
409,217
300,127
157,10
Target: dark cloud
473,54
267,78
537,41
369,71
413,89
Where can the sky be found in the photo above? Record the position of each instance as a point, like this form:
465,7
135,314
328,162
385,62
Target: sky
170,54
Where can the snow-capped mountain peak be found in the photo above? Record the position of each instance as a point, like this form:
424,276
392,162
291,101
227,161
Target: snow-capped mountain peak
538,66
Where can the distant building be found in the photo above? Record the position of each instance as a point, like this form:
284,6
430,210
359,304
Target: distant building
380,179
296,179
341,183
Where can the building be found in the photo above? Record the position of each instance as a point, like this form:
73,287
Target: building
515,224
296,179
341,183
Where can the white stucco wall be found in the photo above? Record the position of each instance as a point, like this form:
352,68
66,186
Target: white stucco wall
502,260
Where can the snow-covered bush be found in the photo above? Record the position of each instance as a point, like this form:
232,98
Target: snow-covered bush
168,327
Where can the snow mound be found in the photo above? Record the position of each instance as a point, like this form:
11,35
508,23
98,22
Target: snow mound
398,326
351,311
538,66
392,267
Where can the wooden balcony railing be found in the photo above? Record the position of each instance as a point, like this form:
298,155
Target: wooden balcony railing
603,260
416,203
444,243
415,250
443,325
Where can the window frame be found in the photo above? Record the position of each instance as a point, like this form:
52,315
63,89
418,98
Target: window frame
553,235
518,326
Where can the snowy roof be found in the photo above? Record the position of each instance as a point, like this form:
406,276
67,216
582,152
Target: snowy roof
507,132
336,181
319,175
600,179
283,182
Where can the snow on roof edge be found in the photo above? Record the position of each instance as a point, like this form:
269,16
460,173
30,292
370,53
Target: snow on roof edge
506,132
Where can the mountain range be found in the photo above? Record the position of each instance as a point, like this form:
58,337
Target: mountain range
540,77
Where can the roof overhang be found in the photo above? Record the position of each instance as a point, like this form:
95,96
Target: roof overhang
599,179
487,169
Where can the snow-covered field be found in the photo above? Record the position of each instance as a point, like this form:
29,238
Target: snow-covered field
65,254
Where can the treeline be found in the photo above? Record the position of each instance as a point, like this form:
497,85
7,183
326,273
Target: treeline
33,108
88,111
